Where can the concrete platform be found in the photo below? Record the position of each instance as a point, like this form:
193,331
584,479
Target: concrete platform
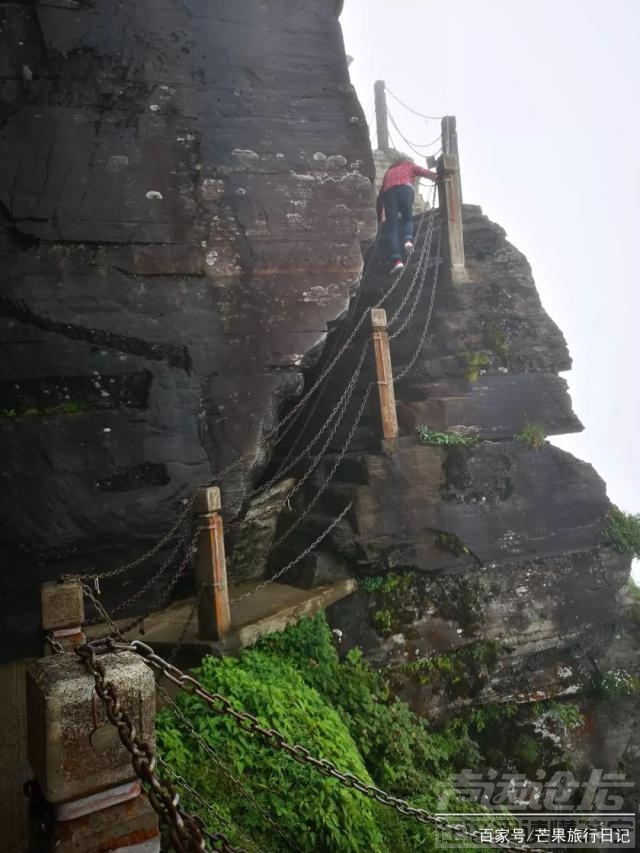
270,609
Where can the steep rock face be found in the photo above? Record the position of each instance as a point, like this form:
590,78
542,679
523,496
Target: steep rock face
183,189
491,554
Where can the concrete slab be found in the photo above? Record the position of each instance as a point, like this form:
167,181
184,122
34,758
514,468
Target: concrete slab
268,610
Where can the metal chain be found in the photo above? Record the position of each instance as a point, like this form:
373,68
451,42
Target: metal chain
327,479
276,430
150,582
414,146
185,630
179,780
358,326
297,559
420,272
56,645
231,778
338,409
340,406
332,432
112,573
275,740
403,372
411,110
185,832
164,597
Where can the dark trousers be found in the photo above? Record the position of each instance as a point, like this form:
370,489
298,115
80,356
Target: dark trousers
398,218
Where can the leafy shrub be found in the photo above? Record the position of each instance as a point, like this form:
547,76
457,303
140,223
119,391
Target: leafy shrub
322,815
566,712
623,532
617,683
383,621
344,712
532,434
386,583
450,438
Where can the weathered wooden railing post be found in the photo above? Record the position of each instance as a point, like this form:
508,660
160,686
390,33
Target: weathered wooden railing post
214,618
384,373
83,777
382,129
450,199
62,607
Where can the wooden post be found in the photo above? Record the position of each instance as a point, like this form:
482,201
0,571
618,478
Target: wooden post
214,618
450,199
382,128
384,374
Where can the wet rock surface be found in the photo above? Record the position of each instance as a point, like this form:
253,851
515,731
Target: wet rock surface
487,559
183,192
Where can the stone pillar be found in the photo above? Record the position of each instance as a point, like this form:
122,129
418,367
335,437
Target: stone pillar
384,373
82,771
214,617
382,127
450,200
62,606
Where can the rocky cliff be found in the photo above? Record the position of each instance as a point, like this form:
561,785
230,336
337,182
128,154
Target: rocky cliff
185,189
485,579
183,192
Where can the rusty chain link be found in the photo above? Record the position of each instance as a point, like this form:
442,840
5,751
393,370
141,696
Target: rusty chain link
185,831
275,740
161,601
182,783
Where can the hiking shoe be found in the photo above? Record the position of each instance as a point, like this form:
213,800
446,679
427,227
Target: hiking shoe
408,246
398,266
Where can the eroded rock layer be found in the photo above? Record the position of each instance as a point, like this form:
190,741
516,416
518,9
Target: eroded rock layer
491,552
183,192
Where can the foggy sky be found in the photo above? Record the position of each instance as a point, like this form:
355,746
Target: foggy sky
546,96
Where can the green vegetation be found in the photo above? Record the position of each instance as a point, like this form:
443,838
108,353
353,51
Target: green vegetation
496,340
617,683
343,712
495,714
565,712
533,435
391,593
459,673
452,543
623,532
450,438
71,407
384,621
387,583
473,364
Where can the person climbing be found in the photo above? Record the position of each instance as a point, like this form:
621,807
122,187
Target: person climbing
396,199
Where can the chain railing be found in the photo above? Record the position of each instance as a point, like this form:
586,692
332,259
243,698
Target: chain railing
330,426
186,830
277,432
427,323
